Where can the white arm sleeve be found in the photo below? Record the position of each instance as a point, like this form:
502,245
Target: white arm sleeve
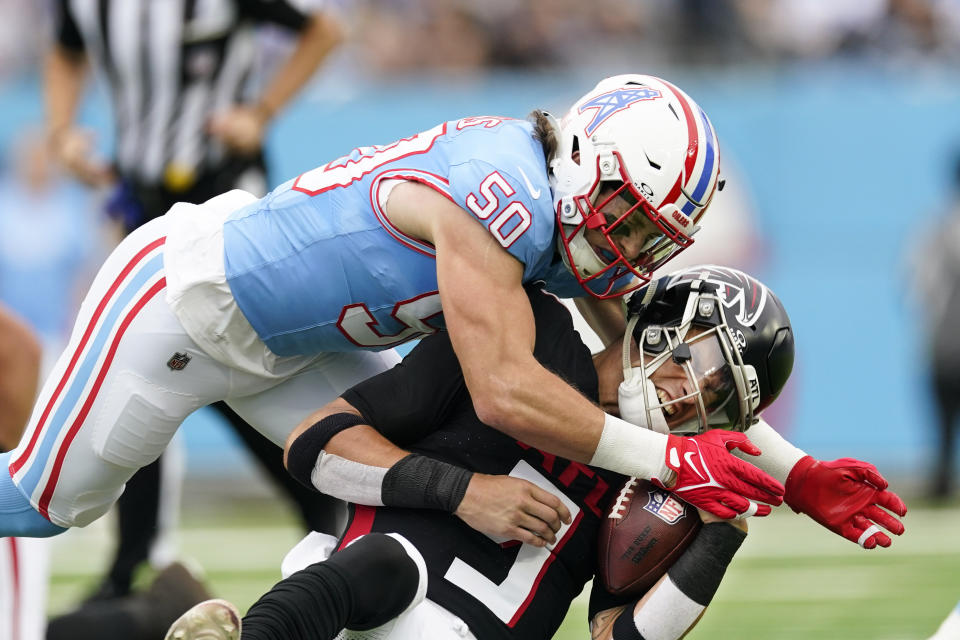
777,456
667,614
348,480
631,450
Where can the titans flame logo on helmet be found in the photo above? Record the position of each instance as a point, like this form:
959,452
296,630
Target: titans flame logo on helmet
609,103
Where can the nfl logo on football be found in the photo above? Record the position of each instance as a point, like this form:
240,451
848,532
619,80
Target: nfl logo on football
666,507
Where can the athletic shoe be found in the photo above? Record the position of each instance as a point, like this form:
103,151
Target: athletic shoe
145,615
210,620
172,592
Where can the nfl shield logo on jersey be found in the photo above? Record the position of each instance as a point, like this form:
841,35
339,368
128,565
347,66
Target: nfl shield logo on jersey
178,361
663,505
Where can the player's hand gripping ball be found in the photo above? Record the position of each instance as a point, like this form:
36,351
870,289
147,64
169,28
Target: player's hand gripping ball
645,531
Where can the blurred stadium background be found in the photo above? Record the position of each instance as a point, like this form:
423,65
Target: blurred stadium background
839,126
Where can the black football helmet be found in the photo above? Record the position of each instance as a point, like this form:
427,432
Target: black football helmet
727,332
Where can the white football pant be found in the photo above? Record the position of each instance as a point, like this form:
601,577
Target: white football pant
130,375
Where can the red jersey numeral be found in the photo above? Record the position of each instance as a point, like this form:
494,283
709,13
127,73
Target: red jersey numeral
344,171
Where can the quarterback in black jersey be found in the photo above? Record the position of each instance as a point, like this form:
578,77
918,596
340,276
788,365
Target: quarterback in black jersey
482,582
501,590
458,498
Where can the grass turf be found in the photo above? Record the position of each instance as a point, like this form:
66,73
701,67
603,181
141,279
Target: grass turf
791,580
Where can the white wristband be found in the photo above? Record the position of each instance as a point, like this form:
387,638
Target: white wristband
631,450
667,613
777,456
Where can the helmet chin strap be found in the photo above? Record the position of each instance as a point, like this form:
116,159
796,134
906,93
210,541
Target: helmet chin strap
633,404
584,257
634,391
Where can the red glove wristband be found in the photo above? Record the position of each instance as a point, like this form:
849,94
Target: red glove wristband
793,493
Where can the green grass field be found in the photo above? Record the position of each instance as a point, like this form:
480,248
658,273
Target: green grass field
792,579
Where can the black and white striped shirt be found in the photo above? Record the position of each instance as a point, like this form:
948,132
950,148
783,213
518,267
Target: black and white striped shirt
170,64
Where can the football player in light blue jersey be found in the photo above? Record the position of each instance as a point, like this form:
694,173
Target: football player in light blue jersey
278,305
380,282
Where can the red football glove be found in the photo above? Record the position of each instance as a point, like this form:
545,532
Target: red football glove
845,496
713,479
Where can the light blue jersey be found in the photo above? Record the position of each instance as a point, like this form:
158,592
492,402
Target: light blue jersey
316,266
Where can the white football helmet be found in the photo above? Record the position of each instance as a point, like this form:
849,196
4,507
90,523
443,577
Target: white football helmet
652,153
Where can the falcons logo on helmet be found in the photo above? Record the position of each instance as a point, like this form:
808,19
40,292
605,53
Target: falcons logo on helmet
743,297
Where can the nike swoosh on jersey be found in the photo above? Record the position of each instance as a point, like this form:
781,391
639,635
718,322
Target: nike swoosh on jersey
533,192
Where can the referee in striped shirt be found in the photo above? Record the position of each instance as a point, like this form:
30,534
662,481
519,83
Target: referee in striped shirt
177,72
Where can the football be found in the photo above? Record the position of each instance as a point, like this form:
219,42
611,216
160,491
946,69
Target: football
645,531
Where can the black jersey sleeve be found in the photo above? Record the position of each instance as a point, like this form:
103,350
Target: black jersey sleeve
558,346
65,27
412,399
276,11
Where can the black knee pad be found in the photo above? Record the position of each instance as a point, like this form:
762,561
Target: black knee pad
386,575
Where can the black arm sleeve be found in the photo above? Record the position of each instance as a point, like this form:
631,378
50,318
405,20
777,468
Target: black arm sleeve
276,11
411,400
65,27
558,347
